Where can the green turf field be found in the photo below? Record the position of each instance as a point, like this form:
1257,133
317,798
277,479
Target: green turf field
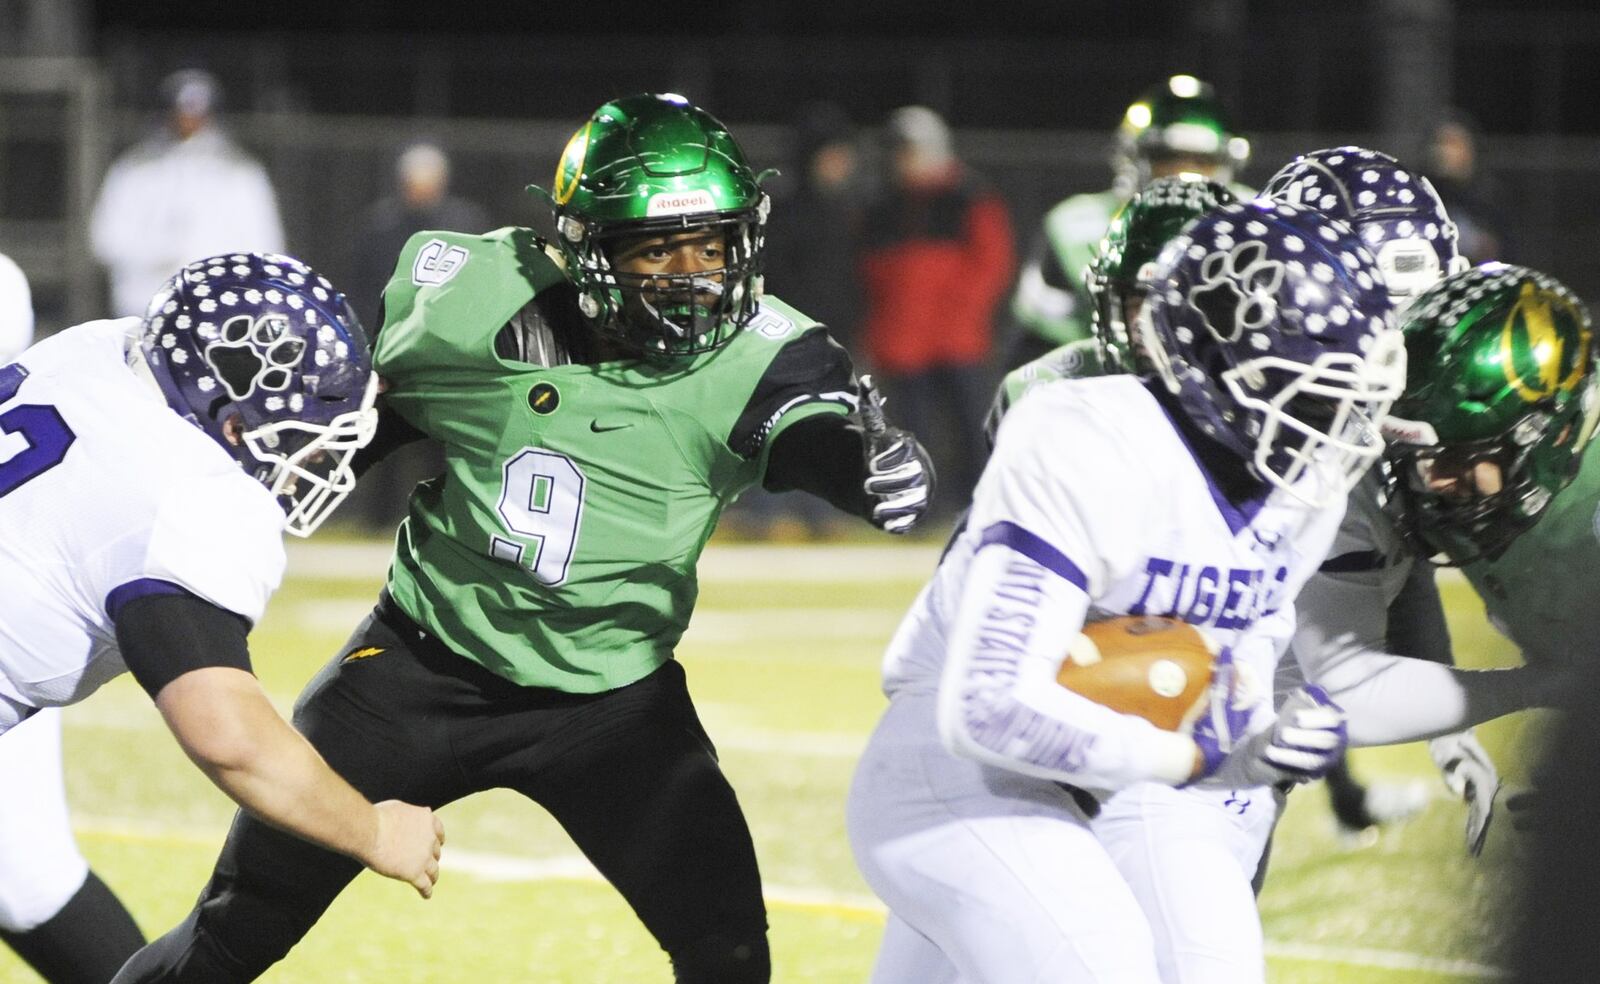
783,660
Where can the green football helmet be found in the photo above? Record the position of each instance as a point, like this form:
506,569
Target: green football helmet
1126,259
1500,400
655,165
1180,118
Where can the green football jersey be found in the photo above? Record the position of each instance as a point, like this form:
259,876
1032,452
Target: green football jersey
558,549
1051,300
1075,360
1544,591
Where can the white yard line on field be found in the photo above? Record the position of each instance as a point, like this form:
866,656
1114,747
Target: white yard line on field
107,714
716,626
489,866
810,563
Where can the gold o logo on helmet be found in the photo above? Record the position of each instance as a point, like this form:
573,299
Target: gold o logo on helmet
1530,335
570,170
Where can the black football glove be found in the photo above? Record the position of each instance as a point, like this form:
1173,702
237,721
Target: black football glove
899,482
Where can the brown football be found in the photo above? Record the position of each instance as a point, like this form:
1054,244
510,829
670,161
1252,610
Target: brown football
1152,667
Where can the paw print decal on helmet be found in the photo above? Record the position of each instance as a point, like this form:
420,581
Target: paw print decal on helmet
251,354
266,357
1237,290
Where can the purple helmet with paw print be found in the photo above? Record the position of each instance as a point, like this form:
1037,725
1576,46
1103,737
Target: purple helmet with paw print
1394,210
266,356
1268,323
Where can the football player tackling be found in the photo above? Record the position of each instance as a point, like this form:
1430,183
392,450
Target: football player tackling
600,400
1210,493
148,470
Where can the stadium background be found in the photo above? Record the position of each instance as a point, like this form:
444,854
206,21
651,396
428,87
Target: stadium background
783,653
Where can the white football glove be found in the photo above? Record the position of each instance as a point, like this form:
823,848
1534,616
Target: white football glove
1470,774
1303,743
899,482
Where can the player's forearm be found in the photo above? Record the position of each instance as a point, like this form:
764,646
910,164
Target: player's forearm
231,731
821,455
999,702
1393,699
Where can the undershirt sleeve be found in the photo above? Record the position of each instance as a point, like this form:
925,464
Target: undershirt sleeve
165,635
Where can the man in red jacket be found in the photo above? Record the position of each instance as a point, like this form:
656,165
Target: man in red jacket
938,257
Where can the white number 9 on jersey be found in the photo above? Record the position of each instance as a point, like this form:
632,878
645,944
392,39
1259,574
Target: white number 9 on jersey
541,502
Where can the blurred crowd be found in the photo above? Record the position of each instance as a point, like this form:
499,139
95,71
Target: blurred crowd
879,230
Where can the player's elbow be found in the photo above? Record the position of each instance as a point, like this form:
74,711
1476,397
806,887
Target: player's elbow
215,714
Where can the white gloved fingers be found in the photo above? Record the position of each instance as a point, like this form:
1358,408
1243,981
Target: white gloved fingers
899,501
1320,717
896,478
1309,739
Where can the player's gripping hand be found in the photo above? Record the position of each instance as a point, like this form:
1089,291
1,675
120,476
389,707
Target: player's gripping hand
1302,744
1221,726
1470,774
406,845
899,482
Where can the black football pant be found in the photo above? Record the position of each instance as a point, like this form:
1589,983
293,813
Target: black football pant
630,775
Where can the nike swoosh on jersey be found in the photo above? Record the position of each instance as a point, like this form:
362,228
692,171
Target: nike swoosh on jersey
601,426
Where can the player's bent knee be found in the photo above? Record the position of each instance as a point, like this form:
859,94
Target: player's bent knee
723,960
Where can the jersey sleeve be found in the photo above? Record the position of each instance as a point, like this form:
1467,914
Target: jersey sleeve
218,539
448,298
1341,642
1038,562
809,375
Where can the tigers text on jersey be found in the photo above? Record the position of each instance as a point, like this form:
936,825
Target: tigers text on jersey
1093,505
106,495
559,547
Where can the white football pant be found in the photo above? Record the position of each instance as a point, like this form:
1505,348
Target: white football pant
992,877
40,867
1189,856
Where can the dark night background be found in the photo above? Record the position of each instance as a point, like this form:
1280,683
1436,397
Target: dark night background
326,92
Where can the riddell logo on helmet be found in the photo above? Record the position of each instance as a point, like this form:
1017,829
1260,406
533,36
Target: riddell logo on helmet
680,202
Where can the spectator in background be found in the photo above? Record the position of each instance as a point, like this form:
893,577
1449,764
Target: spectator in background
817,222
938,257
1468,193
55,913
421,200
16,310
811,261
187,191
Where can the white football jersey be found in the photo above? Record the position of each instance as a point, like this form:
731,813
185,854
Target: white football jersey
1344,608
107,495
1107,512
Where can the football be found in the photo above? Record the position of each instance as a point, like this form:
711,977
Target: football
1152,667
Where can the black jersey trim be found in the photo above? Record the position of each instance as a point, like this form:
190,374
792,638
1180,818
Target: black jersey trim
812,368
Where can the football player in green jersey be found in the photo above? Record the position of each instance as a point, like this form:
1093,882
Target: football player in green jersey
600,399
1176,127
1493,462
1490,468
1115,284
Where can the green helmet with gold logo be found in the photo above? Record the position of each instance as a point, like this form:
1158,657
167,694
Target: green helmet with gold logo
1500,400
1179,119
1122,267
648,166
